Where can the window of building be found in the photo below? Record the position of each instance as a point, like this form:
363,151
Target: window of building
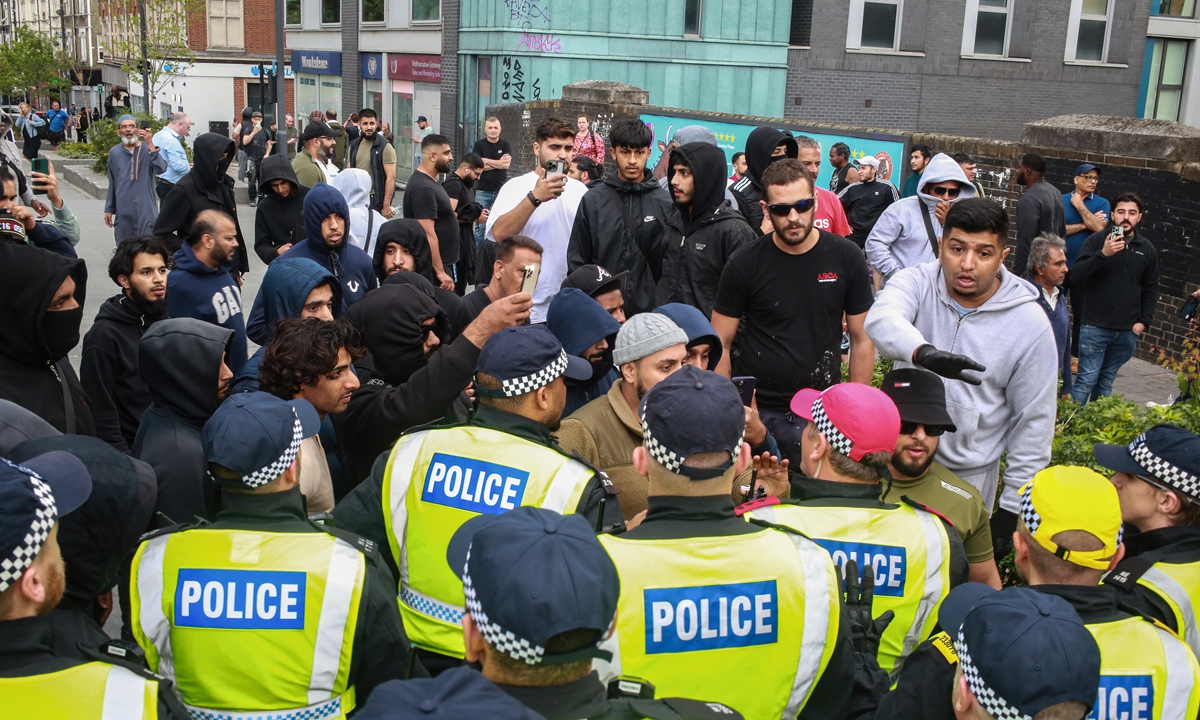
801,33
426,10
874,24
331,12
1164,78
691,17
372,11
986,27
1087,30
225,24
1173,8
291,12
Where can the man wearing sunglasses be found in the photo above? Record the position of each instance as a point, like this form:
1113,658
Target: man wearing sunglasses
907,232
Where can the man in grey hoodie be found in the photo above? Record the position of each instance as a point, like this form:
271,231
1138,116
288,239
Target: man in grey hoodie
907,231
966,312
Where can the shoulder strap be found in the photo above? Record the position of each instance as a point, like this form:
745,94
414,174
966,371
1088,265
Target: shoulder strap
920,506
933,239
68,402
370,226
1126,574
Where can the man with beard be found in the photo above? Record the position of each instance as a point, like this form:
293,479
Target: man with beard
585,330
460,187
764,146
601,286
865,200
279,219
1039,209
791,289
201,286
39,682
109,368
313,163
131,206
413,503
372,152
426,200
513,255
401,246
920,396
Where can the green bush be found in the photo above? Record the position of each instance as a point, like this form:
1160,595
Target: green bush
102,135
76,150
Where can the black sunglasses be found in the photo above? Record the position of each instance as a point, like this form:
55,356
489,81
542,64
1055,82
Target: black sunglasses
785,209
908,428
948,192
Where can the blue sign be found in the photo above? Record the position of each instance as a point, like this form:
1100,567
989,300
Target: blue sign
890,563
372,65
473,485
318,62
1124,697
708,617
240,599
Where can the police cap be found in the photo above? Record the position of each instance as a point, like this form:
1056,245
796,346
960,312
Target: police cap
33,495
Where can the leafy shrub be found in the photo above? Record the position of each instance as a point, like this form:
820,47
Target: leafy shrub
102,135
76,150
1187,365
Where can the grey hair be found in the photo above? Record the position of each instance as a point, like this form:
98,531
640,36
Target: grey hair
177,117
805,141
1039,251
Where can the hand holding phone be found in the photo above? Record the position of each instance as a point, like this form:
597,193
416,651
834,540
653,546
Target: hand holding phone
746,385
145,124
554,168
1115,242
40,165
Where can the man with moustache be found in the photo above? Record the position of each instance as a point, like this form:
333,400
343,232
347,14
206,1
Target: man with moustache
131,206
426,200
109,369
201,285
372,152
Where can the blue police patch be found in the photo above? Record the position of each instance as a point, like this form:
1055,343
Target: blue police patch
473,485
1124,697
240,599
707,617
889,562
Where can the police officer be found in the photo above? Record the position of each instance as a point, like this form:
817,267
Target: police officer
35,681
713,606
504,457
541,596
264,610
915,556
1158,481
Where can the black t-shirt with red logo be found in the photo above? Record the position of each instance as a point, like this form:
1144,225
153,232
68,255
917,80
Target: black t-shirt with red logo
791,307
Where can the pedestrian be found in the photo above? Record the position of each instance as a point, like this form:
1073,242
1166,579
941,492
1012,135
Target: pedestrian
116,103
964,302
497,156
703,344
44,294
82,123
1047,271
849,436
918,160
336,656
449,301
542,207
764,146
1039,209
56,124
254,144
866,199
627,223
1084,213
184,362
549,582
739,168
241,129
460,188
970,168
279,219
418,138
313,163
170,143
829,215
355,186
339,146
22,226
513,256
373,153
10,160
519,383
791,288
426,201
907,232
32,129
585,330
920,397
108,372
845,172
586,171
293,135
602,286
131,207
460,692
352,129
402,246
587,143
1156,480
712,229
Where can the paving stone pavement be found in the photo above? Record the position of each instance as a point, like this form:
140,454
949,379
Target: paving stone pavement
1141,381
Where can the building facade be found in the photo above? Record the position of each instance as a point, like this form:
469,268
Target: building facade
1170,86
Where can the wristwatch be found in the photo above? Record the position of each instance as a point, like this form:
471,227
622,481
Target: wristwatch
532,199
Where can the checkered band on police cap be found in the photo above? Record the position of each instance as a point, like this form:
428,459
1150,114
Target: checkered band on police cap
1029,514
995,705
840,442
262,476
503,640
670,459
44,518
541,378
1167,473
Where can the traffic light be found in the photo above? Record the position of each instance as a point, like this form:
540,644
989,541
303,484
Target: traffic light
272,88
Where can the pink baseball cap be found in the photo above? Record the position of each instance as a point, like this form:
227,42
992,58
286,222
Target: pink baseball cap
856,419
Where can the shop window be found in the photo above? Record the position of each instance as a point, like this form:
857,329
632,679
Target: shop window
426,10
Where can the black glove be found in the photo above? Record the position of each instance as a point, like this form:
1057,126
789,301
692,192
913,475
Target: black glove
865,630
948,365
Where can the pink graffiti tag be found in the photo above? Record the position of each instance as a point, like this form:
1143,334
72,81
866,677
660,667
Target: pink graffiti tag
538,42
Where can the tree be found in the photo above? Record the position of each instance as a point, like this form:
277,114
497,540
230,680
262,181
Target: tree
32,65
167,53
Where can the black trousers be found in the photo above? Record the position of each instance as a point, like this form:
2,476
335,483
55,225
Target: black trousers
162,188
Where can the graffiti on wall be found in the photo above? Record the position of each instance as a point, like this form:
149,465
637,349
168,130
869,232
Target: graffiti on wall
528,11
515,84
540,42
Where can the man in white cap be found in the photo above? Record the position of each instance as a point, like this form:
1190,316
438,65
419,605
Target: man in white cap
864,201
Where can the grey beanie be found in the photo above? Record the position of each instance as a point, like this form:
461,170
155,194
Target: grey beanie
645,334
694,133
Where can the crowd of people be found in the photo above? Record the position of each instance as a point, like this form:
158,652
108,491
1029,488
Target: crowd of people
593,445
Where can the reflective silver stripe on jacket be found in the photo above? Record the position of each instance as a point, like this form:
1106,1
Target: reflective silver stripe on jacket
1178,688
154,622
329,709
340,581
932,528
816,621
1167,584
124,695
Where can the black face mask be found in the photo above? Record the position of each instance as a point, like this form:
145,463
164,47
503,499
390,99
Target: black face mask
61,332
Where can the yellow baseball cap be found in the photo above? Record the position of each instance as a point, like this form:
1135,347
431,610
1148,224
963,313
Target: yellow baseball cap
1064,497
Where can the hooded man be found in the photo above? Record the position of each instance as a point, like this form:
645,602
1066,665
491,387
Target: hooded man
206,187
279,219
704,347
184,363
712,229
907,232
764,146
365,221
447,300
585,330
401,245
43,295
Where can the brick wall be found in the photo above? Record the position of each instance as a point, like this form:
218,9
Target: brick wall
518,122
198,28
258,23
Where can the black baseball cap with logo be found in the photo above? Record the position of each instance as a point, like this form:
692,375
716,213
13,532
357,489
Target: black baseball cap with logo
595,280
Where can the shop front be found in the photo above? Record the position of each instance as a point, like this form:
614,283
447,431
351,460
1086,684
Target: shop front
416,90
318,81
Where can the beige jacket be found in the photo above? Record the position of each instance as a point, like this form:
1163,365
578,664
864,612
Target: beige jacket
605,432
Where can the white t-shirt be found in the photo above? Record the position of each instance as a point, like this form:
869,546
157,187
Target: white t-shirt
550,224
329,169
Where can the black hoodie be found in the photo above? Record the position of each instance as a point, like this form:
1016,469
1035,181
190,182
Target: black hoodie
34,342
279,220
713,230
180,361
748,191
206,187
109,370
406,233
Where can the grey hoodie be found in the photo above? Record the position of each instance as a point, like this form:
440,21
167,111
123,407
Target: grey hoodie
899,238
1009,334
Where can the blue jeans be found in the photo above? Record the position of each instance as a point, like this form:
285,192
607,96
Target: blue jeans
485,198
1102,352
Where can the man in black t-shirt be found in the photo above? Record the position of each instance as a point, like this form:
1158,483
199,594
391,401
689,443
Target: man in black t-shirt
791,287
459,186
254,142
497,156
426,201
